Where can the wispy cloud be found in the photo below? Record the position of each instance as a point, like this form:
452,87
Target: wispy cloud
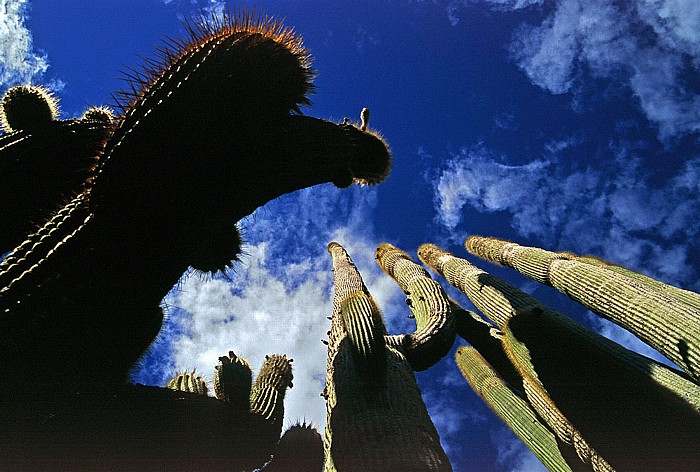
513,454
650,45
18,62
613,211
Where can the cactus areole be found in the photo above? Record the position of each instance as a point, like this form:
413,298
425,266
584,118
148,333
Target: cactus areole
209,132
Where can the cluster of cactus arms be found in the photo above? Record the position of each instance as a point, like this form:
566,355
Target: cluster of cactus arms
300,446
563,388
123,207
376,418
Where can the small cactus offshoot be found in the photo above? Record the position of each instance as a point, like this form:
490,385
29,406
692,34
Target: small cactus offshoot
26,107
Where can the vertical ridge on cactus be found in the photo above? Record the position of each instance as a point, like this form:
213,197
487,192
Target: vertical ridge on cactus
660,319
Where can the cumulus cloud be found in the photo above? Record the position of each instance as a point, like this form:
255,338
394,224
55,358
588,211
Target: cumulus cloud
18,62
613,212
650,45
513,454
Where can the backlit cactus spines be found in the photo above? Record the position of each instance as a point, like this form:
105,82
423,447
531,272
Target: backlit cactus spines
157,203
435,325
384,427
101,114
512,409
656,316
565,366
26,107
188,382
233,380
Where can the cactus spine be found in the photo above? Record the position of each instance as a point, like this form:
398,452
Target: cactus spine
382,425
657,314
565,366
188,382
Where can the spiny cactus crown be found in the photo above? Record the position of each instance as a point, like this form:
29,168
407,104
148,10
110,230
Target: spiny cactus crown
276,372
101,114
27,106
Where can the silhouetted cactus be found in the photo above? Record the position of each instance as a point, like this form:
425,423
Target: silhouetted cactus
206,136
233,380
667,318
300,449
376,417
163,201
617,408
44,162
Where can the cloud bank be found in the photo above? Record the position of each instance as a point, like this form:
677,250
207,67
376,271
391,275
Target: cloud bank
18,62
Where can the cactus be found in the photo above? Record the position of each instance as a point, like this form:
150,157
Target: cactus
300,449
511,408
382,424
617,408
233,380
188,382
44,162
658,314
87,285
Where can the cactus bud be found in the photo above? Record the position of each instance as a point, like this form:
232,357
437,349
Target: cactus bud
27,106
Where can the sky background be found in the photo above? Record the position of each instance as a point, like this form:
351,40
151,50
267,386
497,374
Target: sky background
569,125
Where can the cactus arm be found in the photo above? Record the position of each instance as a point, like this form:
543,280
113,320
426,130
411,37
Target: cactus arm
435,326
372,427
44,162
656,316
300,449
512,409
188,382
233,380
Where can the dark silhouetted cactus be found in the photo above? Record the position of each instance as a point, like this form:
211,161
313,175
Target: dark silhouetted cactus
618,409
44,162
163,201
376,417
300,449
207,135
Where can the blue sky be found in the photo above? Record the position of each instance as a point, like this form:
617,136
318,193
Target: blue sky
570,124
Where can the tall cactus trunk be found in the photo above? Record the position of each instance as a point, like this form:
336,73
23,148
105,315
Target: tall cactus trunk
383,425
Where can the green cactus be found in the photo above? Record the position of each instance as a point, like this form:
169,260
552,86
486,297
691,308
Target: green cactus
380,424
658,314
188,382
617,408
44,162
511,408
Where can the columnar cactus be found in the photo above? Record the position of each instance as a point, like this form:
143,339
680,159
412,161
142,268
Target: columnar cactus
44,161
376,417
300,449
511,408
80,299
667,318
617,408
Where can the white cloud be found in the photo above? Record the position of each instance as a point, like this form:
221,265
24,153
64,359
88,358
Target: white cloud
651,45
454,6
18,62
613,212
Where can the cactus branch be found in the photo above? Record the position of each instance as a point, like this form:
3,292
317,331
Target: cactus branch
435,326
655,315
